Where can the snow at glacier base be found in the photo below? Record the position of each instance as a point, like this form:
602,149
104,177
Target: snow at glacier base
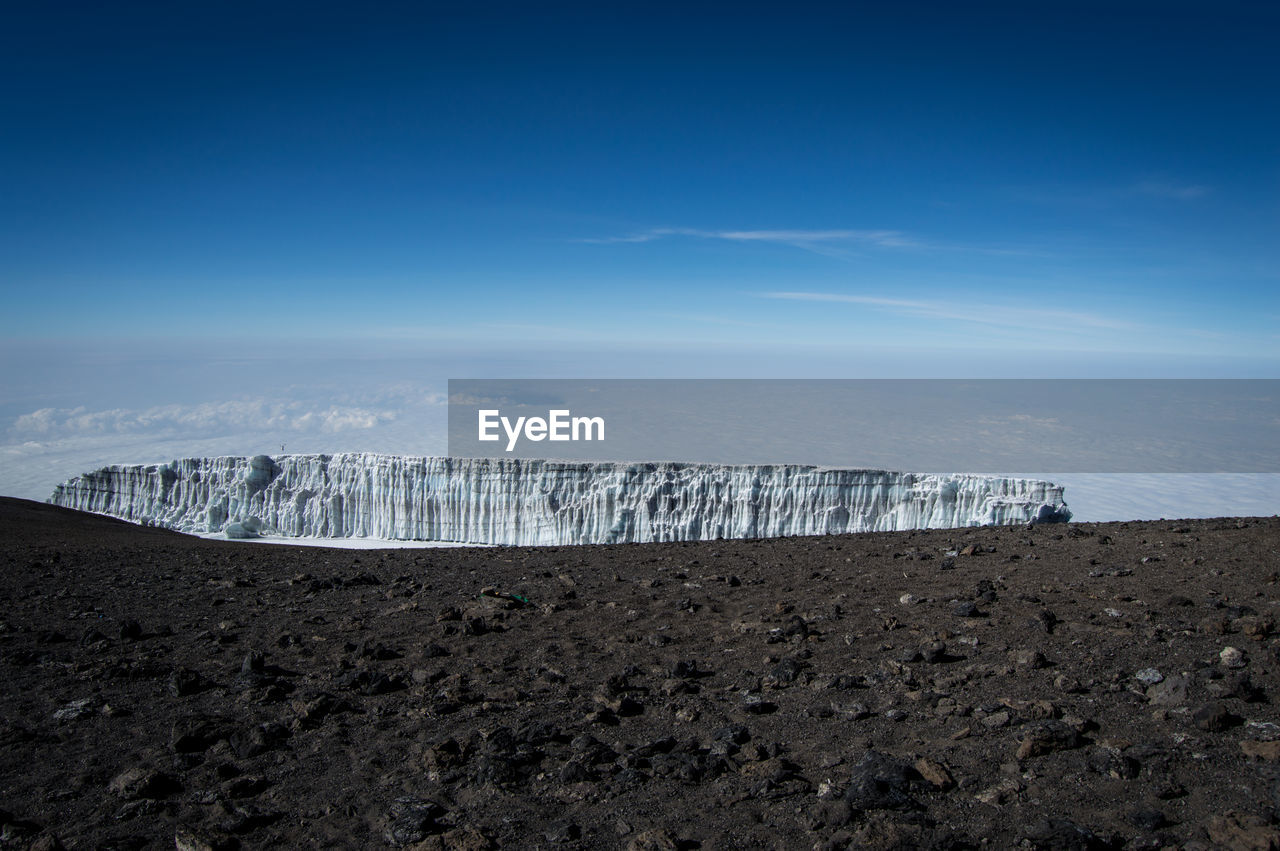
543,502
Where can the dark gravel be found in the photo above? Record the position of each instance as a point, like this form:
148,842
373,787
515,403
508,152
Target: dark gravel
1054,687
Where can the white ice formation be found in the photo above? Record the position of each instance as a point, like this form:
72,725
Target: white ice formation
521,502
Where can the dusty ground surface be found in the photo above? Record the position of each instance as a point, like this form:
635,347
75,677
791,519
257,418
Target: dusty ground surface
1057,687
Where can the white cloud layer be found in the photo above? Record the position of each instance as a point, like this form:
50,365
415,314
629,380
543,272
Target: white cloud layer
799,238
48,445
201,419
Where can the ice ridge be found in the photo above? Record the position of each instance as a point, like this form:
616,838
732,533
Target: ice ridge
535,502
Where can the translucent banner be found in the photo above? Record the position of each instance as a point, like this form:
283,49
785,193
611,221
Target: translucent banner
995,426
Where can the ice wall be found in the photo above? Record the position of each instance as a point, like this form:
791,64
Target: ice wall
497,501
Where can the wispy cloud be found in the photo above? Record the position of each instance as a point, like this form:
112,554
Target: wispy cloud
807,239
982,314
1107,196
1171,190
1204,334
711,319
834,242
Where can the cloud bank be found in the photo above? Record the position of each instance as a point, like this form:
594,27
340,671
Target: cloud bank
47,445
202,419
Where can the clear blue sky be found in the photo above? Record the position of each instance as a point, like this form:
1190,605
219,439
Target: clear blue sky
1076,177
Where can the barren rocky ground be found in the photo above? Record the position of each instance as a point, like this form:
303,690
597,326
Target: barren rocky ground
1075,686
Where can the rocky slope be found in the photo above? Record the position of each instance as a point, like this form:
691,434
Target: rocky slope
1072,686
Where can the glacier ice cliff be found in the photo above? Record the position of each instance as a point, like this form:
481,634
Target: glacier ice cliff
523,502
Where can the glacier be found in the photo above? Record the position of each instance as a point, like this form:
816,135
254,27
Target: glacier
543,502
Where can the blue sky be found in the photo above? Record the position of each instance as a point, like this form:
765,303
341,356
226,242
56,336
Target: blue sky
648,172
644,189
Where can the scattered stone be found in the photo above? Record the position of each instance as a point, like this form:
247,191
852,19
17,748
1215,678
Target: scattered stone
243,818
1255,627
607,717
935,773
311,713
1112,571
1110,762
1149,676
735,733
881,782
76,709
1232,657
253,663
1268,751
985,591
796,626
184,682
196,735
257,739
1237,685
1214,718
375,650
190,840
653,840
1215,625
1263,731
1171,691
1147,820
369,682
1244,831
245,787
1068,684
563,831
997,720
1028,658
1063,835
46,842
134,783
92,637
1045,620
1035,710
465,838
1043,737
1001,793
785,672
686,670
